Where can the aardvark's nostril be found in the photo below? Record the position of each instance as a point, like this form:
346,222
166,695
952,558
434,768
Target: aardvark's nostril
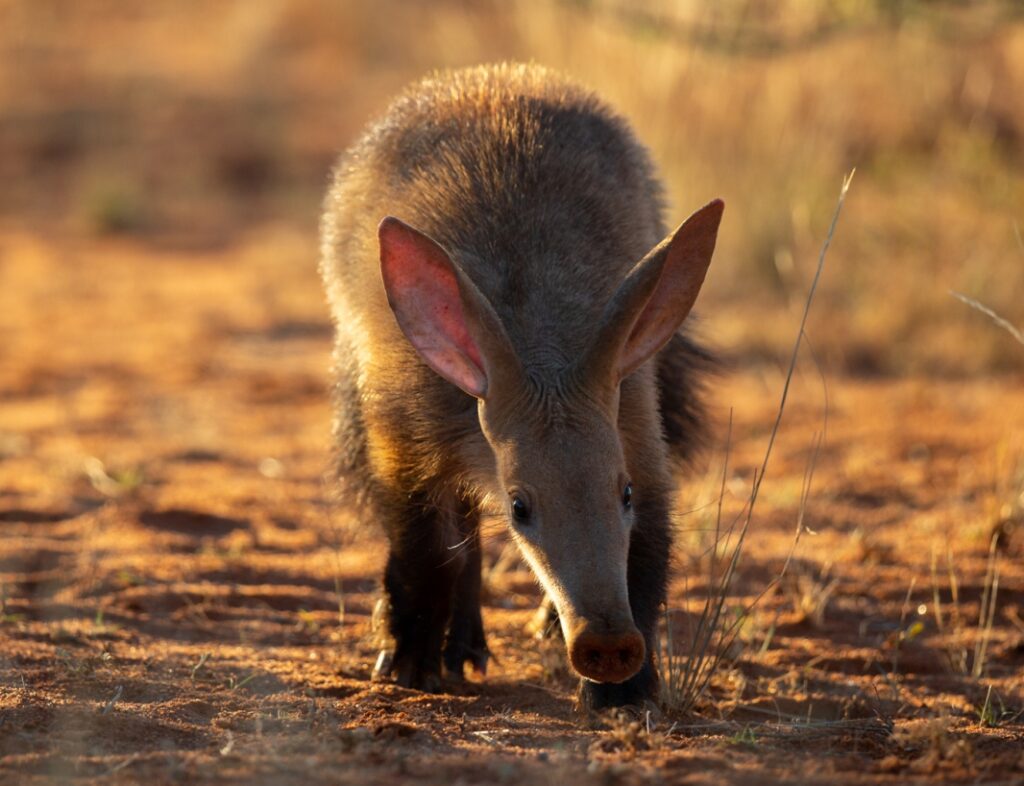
607,657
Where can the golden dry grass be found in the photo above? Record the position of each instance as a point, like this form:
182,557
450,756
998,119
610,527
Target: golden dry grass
191,121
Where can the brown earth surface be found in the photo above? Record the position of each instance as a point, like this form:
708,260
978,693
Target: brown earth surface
184,601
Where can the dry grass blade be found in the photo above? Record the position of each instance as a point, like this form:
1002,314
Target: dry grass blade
956,654
118,692
954,629
987,613
1003,323
686,677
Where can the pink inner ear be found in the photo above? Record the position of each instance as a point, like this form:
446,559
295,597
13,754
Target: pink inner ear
671,302
423,291
427,286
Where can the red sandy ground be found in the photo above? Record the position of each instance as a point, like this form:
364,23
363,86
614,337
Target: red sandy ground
172,564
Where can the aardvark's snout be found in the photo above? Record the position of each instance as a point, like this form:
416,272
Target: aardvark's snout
607,657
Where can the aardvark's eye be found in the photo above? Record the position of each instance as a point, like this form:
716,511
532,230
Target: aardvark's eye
520,510
627,496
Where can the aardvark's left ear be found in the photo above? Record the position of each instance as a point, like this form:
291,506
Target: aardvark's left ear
654,298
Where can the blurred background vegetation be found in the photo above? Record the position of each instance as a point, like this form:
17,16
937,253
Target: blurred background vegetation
190,124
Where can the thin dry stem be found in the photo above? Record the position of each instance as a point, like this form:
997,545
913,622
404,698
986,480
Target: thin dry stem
987,613
1005,324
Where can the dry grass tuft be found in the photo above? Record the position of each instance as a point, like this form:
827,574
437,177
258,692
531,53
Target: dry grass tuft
952,625
686,676
809,589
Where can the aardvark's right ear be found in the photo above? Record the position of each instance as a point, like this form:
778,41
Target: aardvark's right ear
441,311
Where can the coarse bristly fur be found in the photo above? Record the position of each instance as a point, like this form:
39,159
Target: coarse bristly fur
545,199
